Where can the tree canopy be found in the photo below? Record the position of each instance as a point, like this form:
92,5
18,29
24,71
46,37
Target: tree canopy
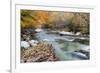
74,21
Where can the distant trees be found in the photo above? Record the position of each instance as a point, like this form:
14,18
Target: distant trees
33,19
71,21
81,23
27,19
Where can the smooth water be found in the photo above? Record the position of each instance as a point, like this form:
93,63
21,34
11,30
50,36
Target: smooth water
63,45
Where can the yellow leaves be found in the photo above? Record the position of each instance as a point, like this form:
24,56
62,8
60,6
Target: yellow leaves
27,22
35,18
40,18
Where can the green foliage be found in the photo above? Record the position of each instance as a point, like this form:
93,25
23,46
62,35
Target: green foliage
72,27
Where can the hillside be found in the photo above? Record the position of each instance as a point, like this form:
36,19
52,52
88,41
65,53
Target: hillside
67,21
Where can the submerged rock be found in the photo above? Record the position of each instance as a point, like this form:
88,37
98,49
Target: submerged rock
85,49
46,40
82,41
80,55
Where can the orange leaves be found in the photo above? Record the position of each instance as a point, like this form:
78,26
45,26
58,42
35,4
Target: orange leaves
40,18
35,18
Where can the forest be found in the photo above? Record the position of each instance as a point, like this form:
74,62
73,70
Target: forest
54,36
70,21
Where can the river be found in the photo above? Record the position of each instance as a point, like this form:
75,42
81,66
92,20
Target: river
64,50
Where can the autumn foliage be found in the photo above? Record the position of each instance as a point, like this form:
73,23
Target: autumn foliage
71,21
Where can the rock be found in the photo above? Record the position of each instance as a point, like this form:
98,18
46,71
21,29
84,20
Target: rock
25,44
80,55
28,31
65,33
82,41
38,30
85,52
78,33
39,53
46,40
25,37
86,49
33,42
31,31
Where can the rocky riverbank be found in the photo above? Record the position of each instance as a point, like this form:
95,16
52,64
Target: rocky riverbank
39,53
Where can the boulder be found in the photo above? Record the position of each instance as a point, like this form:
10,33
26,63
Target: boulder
38,30
25,44
80,55
33,42
78,33
65,33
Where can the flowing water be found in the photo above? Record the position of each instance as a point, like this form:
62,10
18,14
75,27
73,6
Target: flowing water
63,45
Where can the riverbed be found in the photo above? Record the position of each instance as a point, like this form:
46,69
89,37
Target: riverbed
65,46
